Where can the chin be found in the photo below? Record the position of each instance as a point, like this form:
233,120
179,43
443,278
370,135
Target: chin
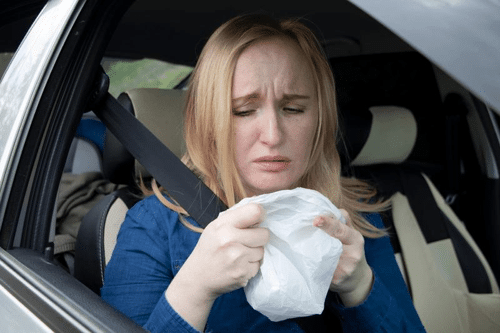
268,187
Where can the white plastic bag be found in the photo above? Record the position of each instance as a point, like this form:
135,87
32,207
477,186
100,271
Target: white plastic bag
299,259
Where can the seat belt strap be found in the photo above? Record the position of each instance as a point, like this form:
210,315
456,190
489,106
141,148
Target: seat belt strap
181,183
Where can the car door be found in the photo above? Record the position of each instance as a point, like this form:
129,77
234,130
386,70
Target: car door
43,93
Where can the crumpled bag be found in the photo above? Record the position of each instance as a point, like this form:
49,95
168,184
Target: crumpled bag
299,259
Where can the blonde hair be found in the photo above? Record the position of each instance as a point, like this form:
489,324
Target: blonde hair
208,124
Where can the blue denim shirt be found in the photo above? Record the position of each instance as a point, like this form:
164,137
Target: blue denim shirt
152,246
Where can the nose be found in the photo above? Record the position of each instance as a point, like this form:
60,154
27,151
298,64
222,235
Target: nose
271,128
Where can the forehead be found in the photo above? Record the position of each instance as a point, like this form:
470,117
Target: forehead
277,62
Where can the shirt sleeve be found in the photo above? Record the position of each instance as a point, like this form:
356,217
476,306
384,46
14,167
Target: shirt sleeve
140,271
388,307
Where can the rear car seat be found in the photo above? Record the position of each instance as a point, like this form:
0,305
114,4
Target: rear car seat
86,150
82,185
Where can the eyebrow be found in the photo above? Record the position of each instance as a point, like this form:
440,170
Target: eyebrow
251,96
292,97
245,98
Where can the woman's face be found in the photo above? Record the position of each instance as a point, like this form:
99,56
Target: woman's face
275,113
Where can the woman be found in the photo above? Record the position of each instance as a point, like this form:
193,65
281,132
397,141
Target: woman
260,117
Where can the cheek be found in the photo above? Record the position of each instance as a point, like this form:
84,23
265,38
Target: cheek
244,138
304,138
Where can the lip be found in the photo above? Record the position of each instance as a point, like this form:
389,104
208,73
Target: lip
273,163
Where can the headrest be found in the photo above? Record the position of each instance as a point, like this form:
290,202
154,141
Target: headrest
399,79
161,111
388,137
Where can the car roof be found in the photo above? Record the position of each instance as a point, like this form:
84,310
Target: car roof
461,37
170,32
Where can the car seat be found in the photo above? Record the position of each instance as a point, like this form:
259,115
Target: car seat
81,186
441,263
160,110
405,151
86,150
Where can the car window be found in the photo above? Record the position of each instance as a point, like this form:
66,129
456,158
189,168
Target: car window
125,74
4,61
16,17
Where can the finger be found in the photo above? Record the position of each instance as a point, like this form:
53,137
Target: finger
253,269
245,216
252,237
255,255
225,235
335,228
346,216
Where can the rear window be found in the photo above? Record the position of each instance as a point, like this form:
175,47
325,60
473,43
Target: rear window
144,73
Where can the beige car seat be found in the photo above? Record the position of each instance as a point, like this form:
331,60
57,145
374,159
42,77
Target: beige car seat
451,283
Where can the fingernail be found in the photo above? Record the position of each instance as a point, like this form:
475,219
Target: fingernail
319,221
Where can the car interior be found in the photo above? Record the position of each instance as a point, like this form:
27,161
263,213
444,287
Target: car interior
392,138
406,127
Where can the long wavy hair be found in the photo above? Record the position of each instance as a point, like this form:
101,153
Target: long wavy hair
208,123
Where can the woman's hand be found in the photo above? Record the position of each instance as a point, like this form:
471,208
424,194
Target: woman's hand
353,277
227,255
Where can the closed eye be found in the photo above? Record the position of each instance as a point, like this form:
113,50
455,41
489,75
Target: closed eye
293,110
242,113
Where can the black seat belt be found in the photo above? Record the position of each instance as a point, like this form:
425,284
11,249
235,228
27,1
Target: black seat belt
180,182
